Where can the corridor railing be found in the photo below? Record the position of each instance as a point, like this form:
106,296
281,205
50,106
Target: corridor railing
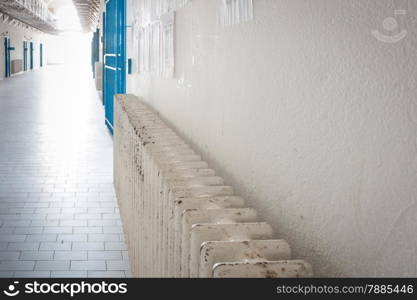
32,12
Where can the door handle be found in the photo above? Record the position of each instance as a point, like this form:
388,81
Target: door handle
108,55
111,68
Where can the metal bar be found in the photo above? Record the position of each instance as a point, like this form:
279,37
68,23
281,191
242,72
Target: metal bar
111,68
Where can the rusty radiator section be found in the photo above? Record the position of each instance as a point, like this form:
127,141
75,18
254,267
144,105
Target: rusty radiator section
180,219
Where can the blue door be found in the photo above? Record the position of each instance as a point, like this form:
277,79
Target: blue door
95,51
103,52
114,55
41,55
7,55
25,56
31,55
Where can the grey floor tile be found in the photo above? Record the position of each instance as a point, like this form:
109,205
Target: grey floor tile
69,274
73,223
41,238
89,265
46,223
6,274
117,265
72,237
115,246
58,229
36,255
106,274
52,265
70,255
105,255
55,246
54,199
16,223
104,237
102,222
24,246
28,230
88,216
12,237
87,246
113,229
49,210
32,274
17,265
88,229
9,255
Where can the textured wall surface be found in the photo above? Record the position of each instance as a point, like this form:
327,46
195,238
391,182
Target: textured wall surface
312,118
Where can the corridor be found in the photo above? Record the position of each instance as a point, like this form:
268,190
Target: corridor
208,139
59,215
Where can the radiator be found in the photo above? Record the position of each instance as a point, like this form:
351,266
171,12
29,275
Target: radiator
17,66
98,75
180,219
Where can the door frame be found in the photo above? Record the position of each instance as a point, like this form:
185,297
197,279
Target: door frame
25,56
41,55
95,50
7,57
114,64
31,50
103,52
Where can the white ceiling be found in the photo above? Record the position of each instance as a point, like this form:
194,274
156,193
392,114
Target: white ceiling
87,10
55,4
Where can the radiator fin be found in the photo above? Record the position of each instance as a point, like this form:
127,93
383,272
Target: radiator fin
180,218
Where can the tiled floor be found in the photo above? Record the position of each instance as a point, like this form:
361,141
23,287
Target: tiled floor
58,212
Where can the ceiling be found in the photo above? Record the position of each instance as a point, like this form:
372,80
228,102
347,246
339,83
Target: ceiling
88,12
57,3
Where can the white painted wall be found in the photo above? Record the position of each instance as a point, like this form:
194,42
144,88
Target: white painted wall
311,118
17,36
